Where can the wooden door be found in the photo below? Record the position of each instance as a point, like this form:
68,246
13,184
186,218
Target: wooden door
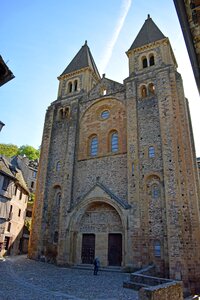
114,249
88,248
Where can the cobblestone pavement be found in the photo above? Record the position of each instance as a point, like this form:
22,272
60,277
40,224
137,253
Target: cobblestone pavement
22,278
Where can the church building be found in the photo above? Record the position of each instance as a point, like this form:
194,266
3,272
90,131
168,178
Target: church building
118,176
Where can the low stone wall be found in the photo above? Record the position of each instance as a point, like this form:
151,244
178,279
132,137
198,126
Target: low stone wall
151,287
148,280
166,291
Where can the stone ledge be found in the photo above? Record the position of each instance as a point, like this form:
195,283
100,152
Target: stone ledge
166,291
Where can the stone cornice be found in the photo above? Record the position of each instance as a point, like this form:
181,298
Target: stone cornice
148,46
75,73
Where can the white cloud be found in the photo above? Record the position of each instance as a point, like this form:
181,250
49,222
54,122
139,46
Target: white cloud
126,4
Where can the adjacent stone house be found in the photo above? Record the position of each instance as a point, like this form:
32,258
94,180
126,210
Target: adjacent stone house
29,170
13,202
118,176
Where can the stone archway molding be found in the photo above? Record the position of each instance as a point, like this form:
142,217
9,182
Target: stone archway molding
98,193
98,196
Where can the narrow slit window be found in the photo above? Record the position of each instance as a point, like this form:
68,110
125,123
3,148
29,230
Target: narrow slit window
70,87
151,89
94,146
143,91
58,166
133,168
155,191
75,85
104,92
151,152
58,199
61,114
114,142
151,60
157,249
9,227
144,62
16,190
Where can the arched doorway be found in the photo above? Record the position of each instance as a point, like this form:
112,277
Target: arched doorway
101,234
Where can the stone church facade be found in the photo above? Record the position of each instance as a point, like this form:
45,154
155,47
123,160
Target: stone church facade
118,176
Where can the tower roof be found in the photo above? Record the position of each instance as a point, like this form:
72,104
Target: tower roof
149,33
83,59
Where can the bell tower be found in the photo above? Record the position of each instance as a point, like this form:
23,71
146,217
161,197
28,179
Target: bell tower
164,188
58,153
80,75
145,53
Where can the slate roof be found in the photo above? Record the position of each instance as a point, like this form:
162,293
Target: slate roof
5,73
83,59
21,180
149,33
6,168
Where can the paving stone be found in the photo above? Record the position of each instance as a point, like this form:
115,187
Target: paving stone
28,279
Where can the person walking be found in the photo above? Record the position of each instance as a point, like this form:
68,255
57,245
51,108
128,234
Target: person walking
96,265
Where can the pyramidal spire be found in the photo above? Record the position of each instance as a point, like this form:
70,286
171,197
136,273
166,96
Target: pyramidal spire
83,59
149,33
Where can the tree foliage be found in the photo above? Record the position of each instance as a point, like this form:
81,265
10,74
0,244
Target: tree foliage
29,151
31,198
27,224
8,150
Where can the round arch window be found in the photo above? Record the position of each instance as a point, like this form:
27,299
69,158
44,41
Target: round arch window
105,114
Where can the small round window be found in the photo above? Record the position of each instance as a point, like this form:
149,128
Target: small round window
105,114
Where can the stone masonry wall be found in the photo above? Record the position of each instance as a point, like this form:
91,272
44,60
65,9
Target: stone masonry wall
181,197
151,206
112,172
35,241
172,291
110,168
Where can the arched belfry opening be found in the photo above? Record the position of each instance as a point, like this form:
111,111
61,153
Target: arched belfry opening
99,233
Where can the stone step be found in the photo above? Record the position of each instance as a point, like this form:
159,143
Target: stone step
91,267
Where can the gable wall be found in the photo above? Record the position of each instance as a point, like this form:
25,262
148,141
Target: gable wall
110,168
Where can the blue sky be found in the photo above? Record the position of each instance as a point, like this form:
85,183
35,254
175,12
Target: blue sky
40,38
